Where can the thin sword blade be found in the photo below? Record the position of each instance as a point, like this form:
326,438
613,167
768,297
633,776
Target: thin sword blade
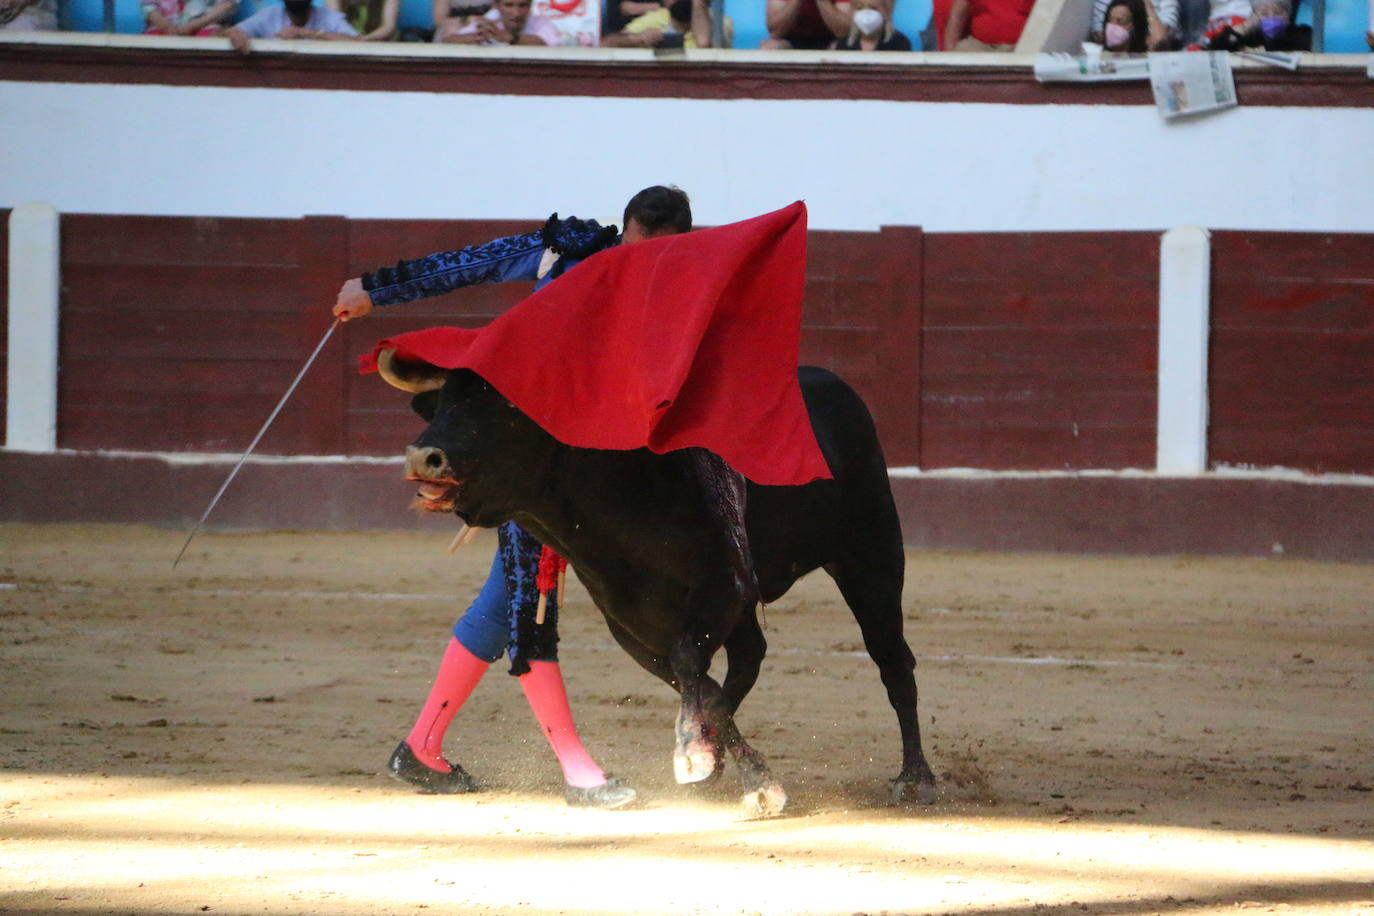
256,439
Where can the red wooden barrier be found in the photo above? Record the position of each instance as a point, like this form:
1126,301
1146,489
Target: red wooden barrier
997,351
1039,350
1292,353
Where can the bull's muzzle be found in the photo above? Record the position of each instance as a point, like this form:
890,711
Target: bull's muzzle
438,488
426,463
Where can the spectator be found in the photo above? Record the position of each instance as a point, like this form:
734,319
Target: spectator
373,20
186,17
1227,23
28,15
450,16
620,13
986,25
1157,25
509,22
1123,28
872,29
294,19
809,25
1275,30
684,24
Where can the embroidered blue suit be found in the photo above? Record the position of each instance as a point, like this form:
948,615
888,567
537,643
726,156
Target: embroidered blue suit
501,617
515,257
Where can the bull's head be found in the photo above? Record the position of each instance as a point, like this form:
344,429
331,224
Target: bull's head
480,457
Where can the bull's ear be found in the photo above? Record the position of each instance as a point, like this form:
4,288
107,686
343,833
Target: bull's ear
426,404
409,376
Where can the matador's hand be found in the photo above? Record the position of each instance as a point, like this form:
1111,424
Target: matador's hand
353,301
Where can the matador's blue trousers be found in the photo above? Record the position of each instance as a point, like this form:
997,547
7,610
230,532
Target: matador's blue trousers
501,617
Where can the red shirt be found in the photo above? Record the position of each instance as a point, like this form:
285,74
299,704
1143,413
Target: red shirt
998,22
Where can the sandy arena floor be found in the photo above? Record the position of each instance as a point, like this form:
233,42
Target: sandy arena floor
1116,736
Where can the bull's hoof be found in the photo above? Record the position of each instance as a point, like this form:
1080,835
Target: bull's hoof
908,790
767,800
695,764
406,767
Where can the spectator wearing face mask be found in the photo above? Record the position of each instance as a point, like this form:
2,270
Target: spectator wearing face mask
683,24
1151,25
872,29
294,19
1125,30
1274,29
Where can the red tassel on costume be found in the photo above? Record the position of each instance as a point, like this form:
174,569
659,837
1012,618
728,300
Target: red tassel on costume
549,577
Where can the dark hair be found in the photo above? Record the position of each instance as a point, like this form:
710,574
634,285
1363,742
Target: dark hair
662,207
1140,24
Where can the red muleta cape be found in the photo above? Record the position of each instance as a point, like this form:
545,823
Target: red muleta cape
687,340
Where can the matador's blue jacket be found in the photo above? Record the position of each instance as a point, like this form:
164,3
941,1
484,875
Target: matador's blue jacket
516,257
502,616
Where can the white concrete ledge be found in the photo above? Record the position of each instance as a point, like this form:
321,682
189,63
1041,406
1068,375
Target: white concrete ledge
34,290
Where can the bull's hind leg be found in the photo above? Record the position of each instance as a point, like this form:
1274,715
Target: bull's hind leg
873,591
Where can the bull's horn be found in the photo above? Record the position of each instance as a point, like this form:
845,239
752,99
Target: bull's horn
409,376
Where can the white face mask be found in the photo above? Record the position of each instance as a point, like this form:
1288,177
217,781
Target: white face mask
868,21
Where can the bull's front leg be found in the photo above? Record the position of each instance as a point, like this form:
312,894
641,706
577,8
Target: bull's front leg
697,753
705,724
715,607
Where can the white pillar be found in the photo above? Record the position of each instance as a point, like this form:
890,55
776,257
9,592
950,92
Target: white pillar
1185,256
31,395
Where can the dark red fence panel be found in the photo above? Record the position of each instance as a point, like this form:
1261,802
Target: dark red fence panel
178,334
1292,351
1039,350
847,322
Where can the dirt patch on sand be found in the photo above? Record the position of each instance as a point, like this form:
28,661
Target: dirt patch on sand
1123,736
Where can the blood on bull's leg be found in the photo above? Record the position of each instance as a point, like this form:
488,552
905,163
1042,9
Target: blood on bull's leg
698,749
763,795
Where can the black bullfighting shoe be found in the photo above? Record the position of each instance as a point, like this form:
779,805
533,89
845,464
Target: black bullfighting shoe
405,766
610,794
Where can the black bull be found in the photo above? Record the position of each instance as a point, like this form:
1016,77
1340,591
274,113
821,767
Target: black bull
657,557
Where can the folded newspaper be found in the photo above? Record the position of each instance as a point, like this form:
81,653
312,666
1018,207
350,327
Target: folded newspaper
1191,82
1184,82
1089,67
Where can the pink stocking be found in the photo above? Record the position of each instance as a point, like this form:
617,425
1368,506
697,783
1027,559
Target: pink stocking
548,698
459,672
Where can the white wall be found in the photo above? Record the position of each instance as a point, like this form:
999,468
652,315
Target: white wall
858,164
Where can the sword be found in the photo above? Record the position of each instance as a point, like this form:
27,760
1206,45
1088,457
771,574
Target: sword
256,439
